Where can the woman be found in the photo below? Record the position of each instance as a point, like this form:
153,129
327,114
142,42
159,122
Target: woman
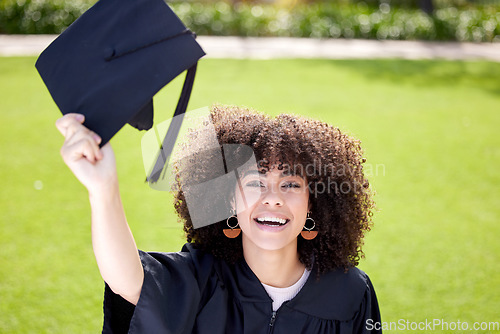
303,209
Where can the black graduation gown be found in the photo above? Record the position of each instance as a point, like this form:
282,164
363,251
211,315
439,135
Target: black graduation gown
193,292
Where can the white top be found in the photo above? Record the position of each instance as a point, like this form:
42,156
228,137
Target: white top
281,295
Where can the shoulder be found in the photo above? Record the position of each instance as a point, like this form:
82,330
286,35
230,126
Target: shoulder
339,282
190,261
188,254
336,295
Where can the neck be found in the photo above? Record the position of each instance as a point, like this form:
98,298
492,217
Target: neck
279,268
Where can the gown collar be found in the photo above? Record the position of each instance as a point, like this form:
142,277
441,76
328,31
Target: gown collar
334,295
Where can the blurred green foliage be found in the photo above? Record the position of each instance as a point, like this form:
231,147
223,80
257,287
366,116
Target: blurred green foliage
39,16
359,20
401,20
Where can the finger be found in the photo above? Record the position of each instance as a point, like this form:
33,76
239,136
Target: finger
67,120
80,133
85,148
94,141
83,134
74,127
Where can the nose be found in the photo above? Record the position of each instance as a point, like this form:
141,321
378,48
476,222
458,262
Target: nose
271,197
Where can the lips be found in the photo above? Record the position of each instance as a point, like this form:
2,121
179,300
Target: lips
271,221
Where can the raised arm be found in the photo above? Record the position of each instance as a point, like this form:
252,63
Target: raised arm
113,243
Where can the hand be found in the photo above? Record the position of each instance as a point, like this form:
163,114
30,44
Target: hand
94,167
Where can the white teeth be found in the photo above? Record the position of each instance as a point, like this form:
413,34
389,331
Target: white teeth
272,219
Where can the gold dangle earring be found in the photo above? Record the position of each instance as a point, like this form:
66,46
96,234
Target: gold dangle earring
307,232
233,231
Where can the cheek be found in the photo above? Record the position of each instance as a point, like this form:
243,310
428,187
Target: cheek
244,220
300,198
246,198
300,205
244,206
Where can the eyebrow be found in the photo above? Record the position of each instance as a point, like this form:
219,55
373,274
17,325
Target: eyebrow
256,172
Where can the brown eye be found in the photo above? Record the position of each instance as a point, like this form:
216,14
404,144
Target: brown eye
291,185
254,184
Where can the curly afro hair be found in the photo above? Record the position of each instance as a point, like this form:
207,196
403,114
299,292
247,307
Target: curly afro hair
331,162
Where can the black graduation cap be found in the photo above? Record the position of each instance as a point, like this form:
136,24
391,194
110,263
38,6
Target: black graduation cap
113,59
110,63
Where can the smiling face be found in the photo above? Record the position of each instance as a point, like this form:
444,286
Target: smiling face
271,208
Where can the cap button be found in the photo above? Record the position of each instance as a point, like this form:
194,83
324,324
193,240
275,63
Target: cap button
109,53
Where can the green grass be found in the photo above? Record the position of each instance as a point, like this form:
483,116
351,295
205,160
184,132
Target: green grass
431,128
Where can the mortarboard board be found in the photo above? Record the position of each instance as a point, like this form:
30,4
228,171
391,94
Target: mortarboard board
114,58
110,63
